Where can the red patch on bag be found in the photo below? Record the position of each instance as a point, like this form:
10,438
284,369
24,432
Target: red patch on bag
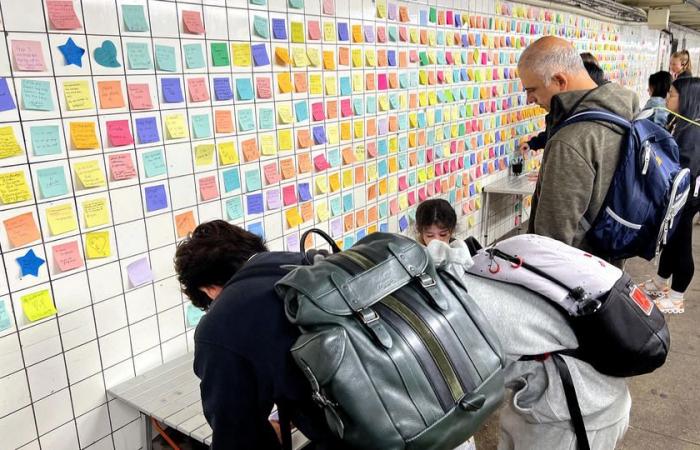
641,299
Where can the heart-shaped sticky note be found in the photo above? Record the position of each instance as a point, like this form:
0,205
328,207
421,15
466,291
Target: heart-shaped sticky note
106,55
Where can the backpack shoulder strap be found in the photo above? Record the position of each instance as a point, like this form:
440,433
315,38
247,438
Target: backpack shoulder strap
572,402
595,115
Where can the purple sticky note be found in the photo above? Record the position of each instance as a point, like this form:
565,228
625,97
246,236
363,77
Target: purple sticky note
343,34
383,126
279,29
255,203
304,191
391,56
260,55
222,89
6,101
147,130
391,11
156,198
293,243
458,21
369,33
319,135
139,272
336,228
274,200
172,91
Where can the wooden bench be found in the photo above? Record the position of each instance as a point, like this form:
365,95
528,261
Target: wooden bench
170,394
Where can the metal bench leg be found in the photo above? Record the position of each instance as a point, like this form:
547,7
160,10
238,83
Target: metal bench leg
146,432
485,218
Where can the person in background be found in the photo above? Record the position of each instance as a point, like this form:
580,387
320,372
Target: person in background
595,72
535,414
676,265
680,66
242,343
579,160
659,85
587,57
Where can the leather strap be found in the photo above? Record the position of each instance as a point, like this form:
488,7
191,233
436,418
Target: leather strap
572,402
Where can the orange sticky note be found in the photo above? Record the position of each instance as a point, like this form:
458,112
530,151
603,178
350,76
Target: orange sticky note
304,138
284,81
250,150
300,84
307,211
372,214
360,218
348,156
282,56
223,120
349,223
287,168
304,163
344,56
21,229
139,96
329,60
82,135
357,33
184,223
110,93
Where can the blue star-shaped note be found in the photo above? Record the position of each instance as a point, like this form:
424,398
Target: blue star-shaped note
72,53
29,264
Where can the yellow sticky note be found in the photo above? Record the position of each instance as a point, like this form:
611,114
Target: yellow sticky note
227,153
347,178
471,221
332,134
403,202
38,305
356,57
284,113
315,84
334,181
331,88
89,173
297,32
383,103
97,245
285,140
241,55
61,219
8,143
314,57
284,81
321,185
299,57
14,187
204,155
322,211
359,127
328,31
83,136
77,95
360,152
371,57
345,131
293,217
95,212
267,144
372,172
175,126
393,184
381,9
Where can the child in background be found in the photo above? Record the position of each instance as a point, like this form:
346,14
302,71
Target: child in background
659,84
436,221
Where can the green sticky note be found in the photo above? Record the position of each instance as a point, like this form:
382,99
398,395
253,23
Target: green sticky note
52,182
296,4
261,27
258,2
393,36
194,315
245,120
194,58
134,18
139,55
46,140
153,163
234,208
5,321
36,95
165,58
433,14
266,119
252,180
219,54
200,126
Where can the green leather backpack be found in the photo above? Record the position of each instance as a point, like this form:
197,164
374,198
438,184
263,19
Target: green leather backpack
397,353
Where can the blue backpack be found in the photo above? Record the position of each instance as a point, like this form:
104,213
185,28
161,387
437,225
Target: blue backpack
648,190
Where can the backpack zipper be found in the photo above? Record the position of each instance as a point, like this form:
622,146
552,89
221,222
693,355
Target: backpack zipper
673,209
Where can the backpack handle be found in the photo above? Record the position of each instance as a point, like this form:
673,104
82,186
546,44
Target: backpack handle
324,235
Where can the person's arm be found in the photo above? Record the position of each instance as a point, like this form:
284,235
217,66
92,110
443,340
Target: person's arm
229,391
538,141
566,186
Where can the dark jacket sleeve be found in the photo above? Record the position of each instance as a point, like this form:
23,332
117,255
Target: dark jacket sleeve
538,141
230,400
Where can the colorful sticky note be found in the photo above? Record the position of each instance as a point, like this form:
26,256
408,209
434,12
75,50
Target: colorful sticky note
296,4
197,88
184,223
14,187
89,173
36,95
139,272
82,135
223,121
219,54
72,54
193,315
95,212
21,229
153,163
204,155
77,95
61,219
260,56
66,256
241,55
156,198
139,96
175,126
147,130
261,27
232,180
8,143
222,89
28,56
38,305
52,182
244,89
106,54
165,58
45,140
29,264
279,29
7,103
201,126
194,57
118,133
172,91
192,22
134,18
121,166
62,15
255,204
110,93
97,245
139,55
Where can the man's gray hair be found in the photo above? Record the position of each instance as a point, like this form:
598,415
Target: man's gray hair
545,61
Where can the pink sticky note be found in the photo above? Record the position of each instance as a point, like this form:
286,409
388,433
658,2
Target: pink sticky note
320,163
67,256
429,155
421,194
329,7
372,149
118,133
139,96
192,21
263,87
450,19
197,87
413,56
314,30
28,56
381,34
271,174
121,166
345,108
382,82
62,15
394,206
438,169
317,111
411,198
208,190
289,195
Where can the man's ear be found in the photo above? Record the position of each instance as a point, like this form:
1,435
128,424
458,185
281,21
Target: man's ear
560,80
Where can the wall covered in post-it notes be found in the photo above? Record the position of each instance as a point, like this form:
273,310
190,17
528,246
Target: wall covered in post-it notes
125,123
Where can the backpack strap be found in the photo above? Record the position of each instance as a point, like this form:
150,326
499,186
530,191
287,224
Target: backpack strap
594,115
572,402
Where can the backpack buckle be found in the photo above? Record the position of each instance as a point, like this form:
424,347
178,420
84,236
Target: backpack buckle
368,316
426,280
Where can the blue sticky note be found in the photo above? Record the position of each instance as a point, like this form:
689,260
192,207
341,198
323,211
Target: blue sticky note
301,110
194,57
348,241
36,95
279,29
391,57
403,223
234,208
72,53
266,119
201,126
6,101
384,227
260,57
106,54
252,180
147,130
194,315
232,180
304,192
257,229
5,321
153,163
46,140
423,17
172,91
343,34
333,157
165,58
357,106
156,198
261,27
245,120
458,20
29,264
134,18
52,182
361,233
319,135
244,89
383,210
347,202
222,89
139,55
255,203
345,86
382,168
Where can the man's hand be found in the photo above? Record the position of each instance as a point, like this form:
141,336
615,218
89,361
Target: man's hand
524,149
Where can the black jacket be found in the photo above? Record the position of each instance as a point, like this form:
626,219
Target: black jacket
688,139
242,359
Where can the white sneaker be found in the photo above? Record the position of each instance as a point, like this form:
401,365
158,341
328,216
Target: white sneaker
653,290
668,306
